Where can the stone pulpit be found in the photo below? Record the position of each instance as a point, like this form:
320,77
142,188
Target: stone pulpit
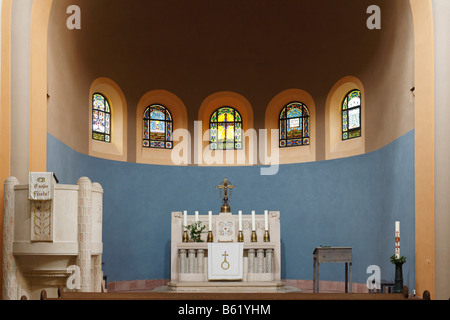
252,263
52,237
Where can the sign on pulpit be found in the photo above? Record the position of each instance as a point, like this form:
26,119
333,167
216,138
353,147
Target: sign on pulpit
225,261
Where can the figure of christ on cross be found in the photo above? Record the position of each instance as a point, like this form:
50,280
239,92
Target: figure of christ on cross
225,186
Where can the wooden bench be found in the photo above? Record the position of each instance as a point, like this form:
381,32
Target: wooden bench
223,296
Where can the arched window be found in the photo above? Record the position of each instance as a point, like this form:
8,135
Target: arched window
157,128
101,118
351,115
294,125
225,129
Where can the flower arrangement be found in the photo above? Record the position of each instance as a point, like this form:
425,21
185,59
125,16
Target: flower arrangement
395,260
196,229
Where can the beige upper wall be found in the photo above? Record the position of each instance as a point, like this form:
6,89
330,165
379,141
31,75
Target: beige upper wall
256,48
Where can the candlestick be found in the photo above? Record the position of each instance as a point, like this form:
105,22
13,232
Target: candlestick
185,236
266,220
210,237
240,236
196,216
240,220
210,220
185,218
397,239
266,236
253,221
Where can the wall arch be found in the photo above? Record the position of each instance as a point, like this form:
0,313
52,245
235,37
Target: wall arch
335,147
272,117
180,122
117,149
246,156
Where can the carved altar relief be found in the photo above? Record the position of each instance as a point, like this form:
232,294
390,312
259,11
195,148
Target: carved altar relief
225,227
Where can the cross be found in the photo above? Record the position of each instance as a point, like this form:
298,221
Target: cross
225,186
225,264
225,255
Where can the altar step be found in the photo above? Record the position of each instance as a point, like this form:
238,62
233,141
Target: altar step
304,286
230,286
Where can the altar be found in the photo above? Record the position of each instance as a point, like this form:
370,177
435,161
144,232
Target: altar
261,269
225,252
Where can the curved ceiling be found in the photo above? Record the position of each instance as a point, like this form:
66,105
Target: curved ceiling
256,48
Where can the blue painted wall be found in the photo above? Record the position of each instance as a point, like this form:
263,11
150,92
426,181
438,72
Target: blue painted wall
346,202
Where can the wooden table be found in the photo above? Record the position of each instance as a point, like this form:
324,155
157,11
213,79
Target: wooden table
333,255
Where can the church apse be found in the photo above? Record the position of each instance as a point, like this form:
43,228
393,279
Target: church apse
351,202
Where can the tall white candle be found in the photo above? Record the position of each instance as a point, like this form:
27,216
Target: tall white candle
266,220
196,216
240,220
397,239
210,220
185,217
253,221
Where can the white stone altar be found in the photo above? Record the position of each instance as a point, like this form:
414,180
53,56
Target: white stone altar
51,241
261,260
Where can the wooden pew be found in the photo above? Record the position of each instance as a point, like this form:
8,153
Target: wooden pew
223,296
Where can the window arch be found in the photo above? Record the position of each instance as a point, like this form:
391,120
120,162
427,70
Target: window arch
225,127
335,146
101,118
157,127
351,115
294,125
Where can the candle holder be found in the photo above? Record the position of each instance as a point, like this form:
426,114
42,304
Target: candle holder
398,285
185,236
254,237
240,236
210,237
266,236
398,261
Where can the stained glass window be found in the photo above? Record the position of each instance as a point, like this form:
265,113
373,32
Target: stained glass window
351,115
294,125
101,118
225,129
157,127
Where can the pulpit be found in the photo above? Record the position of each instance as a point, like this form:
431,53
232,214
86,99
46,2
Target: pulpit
52,236
260,259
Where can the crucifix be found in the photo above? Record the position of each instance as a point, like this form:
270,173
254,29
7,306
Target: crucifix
225,186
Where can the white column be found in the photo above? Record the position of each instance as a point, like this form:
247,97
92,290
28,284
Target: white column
10,270
98,274
84,233
260,259
269,259
251,261
441,27
191,261
183,261
200,261
20,87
